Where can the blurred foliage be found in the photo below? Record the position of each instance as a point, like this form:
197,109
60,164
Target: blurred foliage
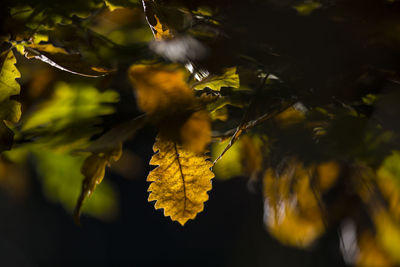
299,96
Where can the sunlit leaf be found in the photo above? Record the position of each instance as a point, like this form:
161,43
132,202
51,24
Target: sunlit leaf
161,31
229,165
243,158
70,115
180,183
292,210
228,79
10,110
160,89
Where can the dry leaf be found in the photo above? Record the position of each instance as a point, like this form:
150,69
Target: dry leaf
94,169
161,32
180,182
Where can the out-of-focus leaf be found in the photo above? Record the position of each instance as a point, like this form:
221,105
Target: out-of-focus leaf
8,74
93,169
70,116
195,132
10,110
229,165
307,7
289,117
292,210
228,79
388,180
161,32
164,95
243,158
61,59
371,253
388,234
13,179
61,181
160,89
180,183
116,135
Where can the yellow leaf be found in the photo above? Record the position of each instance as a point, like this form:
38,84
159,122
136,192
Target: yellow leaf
161,32
163,94
388,234
228,79
370,252
93,169
160,89
292,208
195,132
180,183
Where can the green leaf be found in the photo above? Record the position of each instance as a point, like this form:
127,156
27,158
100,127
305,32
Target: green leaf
70,116
8,74
10,110
228,79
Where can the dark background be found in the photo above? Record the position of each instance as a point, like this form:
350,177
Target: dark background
230,232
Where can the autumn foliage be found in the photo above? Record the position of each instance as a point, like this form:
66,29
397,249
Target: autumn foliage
300,97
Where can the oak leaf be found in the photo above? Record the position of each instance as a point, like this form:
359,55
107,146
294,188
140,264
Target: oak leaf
10,110
180,183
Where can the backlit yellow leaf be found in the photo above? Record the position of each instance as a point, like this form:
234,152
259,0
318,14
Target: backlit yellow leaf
292,208
160,89
196,131
161,32
180,183
293,218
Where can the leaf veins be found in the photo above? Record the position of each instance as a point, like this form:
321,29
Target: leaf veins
180,183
